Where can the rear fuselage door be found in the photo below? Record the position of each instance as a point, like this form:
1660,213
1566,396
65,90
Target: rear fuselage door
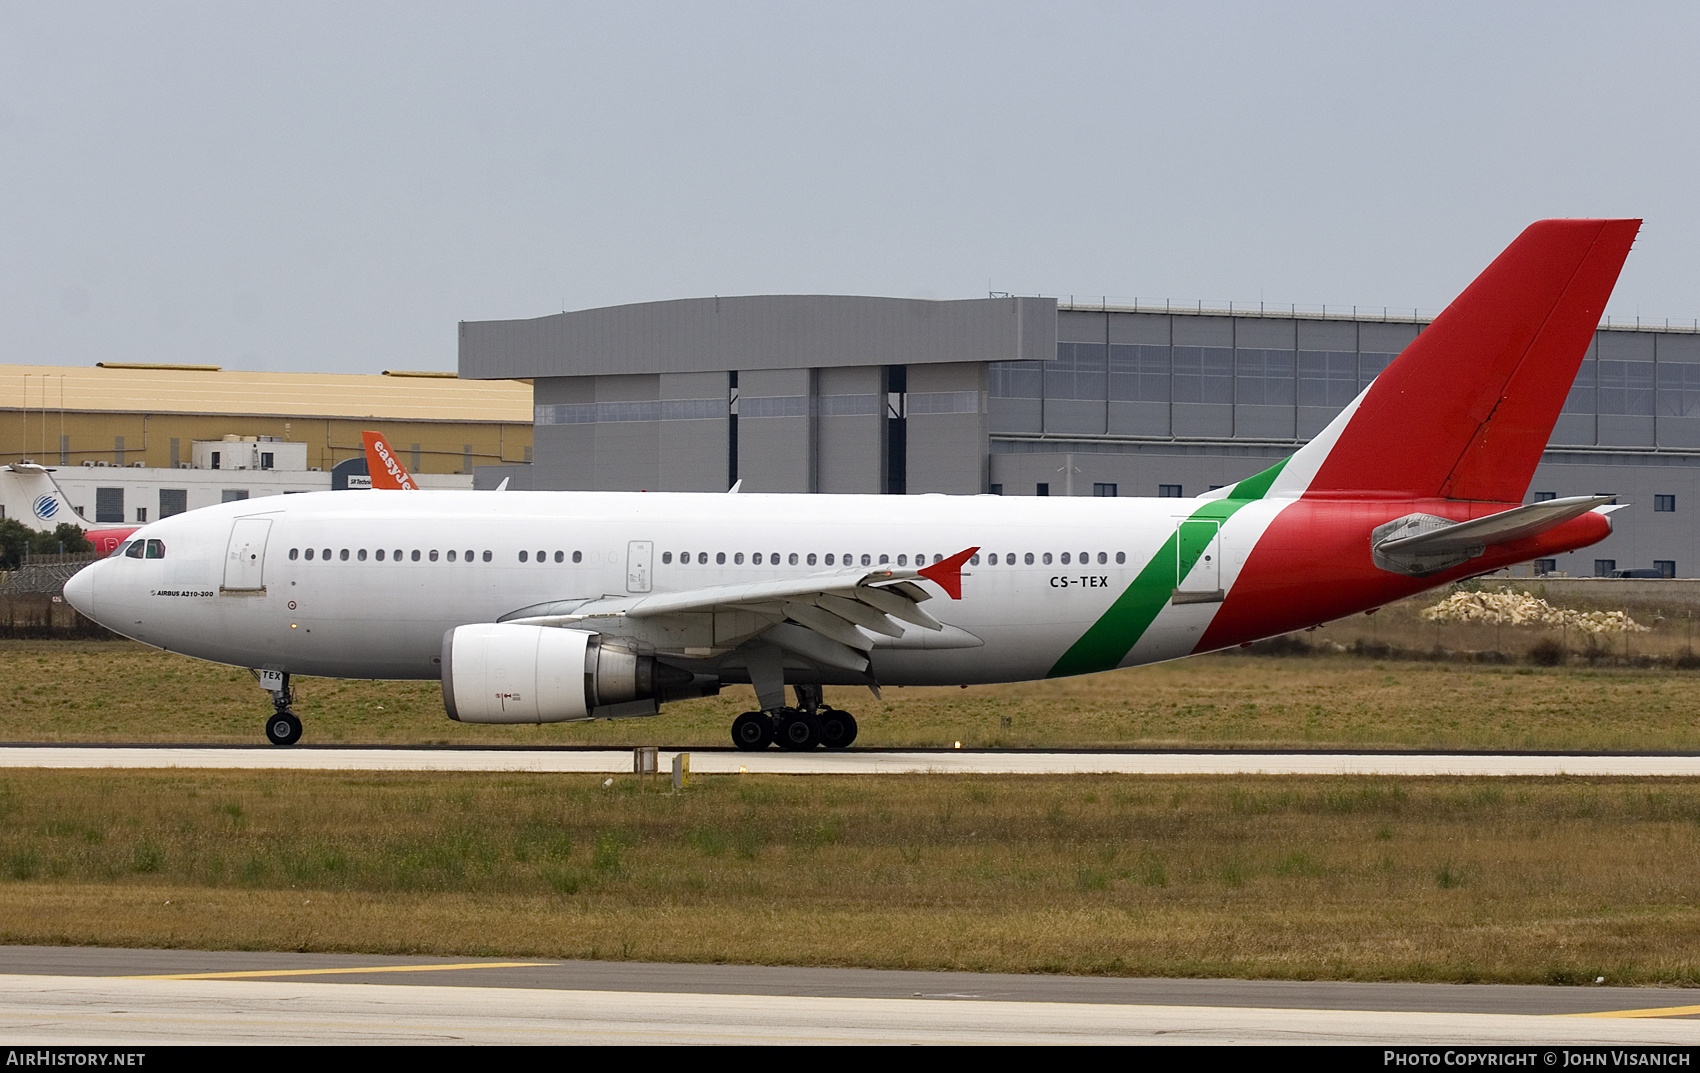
1198,562
638,556
245,558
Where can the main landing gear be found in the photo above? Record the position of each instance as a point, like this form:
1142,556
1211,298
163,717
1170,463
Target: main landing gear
282,727
811,723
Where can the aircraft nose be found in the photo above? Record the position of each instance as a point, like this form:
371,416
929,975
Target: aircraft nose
79,591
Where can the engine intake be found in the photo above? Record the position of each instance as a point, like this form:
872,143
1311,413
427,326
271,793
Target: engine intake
501,673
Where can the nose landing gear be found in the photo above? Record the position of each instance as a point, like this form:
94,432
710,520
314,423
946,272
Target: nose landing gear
282,726
811,723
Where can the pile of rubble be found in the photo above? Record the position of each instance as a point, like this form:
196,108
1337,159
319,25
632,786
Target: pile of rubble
1522,609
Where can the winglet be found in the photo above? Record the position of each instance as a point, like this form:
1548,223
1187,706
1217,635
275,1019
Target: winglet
948,572
381,462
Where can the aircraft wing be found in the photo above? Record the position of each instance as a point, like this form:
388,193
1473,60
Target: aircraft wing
833,618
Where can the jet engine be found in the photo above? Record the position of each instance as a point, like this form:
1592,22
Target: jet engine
501,673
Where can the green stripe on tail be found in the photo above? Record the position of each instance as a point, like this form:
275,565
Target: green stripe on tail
1108,641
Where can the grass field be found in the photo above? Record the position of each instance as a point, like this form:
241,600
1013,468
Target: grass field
124,692
1528,880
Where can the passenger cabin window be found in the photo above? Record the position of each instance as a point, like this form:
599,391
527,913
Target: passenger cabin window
294,553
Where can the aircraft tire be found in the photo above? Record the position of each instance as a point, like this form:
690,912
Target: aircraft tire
283,729
798,732
752,731
838,728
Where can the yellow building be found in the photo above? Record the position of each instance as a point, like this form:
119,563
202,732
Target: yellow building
144,414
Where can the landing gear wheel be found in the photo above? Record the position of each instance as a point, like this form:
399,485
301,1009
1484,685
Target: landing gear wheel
838,729
752,731
283,729
798,731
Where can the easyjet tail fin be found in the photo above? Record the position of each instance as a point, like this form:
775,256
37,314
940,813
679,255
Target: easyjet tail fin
386,469
1466,410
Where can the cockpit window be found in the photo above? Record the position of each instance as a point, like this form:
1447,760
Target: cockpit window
135,547
156,549
121,549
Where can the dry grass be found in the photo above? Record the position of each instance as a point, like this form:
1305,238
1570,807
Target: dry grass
1555,880
124,692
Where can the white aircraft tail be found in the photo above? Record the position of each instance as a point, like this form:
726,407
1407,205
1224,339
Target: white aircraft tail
29,494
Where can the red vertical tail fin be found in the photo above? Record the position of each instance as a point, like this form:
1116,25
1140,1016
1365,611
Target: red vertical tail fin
1467,409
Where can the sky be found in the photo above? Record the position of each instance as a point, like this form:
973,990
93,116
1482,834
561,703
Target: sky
331,187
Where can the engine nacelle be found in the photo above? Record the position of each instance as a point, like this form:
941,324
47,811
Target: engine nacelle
500,673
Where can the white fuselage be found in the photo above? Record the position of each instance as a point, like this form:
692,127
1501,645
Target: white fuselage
354,616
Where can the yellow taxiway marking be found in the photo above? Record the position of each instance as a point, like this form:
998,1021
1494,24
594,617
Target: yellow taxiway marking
1661,1011
337,972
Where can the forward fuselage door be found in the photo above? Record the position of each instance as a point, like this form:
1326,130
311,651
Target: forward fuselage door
1198,562
245,558
639,554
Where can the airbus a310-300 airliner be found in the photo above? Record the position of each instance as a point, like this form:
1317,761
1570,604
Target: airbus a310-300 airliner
552,606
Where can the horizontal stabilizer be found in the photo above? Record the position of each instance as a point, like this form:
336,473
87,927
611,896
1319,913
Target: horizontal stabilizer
1421,544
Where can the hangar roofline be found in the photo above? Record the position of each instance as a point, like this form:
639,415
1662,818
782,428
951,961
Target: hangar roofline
751,332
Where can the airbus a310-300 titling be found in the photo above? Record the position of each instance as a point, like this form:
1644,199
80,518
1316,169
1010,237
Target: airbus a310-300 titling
552,606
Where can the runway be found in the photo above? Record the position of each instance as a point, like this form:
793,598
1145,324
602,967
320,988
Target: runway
849,762
103,997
